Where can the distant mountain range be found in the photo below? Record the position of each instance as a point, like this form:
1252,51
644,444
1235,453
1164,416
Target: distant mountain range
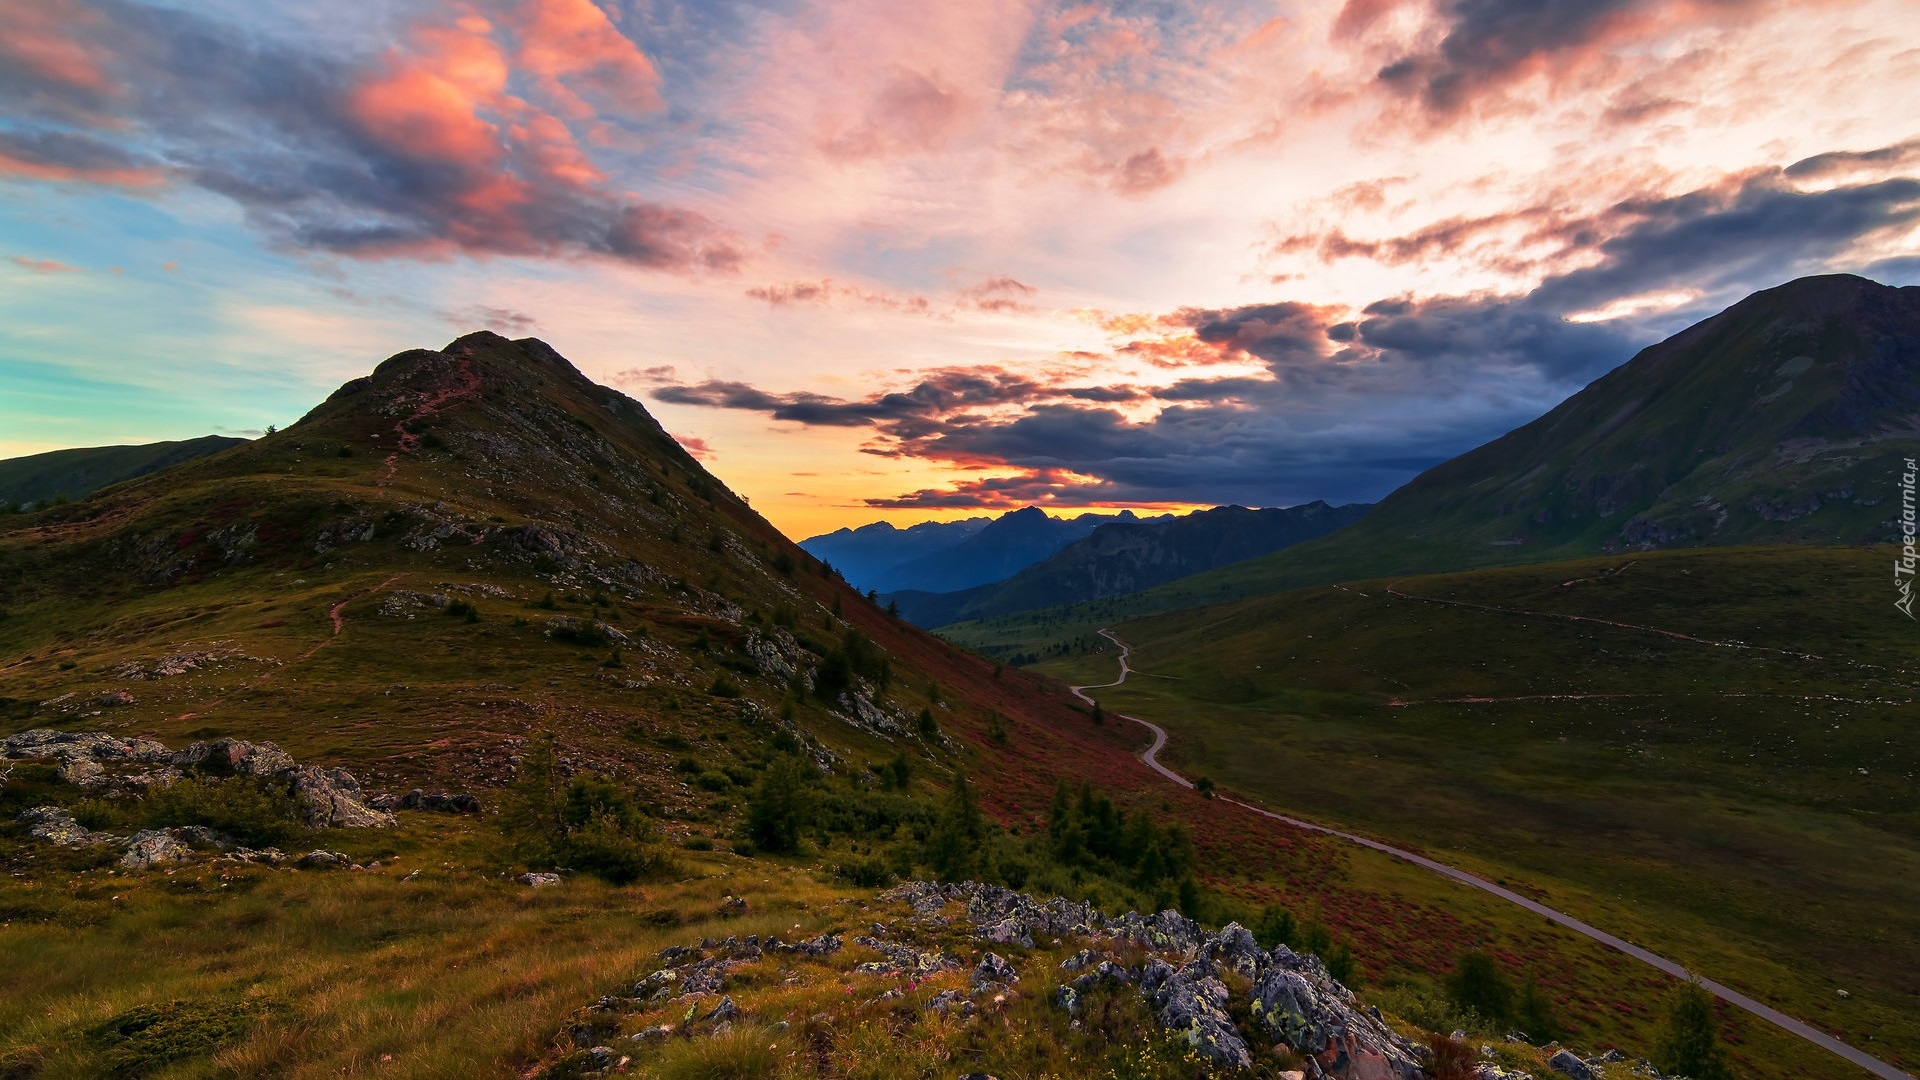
1785,419
1123,557
944,556
78,473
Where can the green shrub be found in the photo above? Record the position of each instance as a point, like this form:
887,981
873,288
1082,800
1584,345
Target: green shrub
254,813
724,687
713,781
1690,1039
1478,986
779,807
867,872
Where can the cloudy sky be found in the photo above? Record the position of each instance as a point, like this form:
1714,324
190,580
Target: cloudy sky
878,259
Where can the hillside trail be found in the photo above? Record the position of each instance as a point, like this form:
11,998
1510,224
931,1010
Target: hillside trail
335,615
463,383
1150,757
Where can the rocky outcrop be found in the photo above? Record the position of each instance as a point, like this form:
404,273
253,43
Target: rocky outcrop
329,798
1218,991
1293,998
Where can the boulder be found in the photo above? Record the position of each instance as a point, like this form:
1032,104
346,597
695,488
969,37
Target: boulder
1566,1063
83,772
1193,1003
538,881
994,969
56,826
154,847
331,798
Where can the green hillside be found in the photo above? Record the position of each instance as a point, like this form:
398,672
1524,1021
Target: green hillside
1786,419
1705,750
75,474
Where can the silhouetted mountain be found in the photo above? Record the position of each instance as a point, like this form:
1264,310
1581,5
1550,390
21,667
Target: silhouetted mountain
77,473
1124,557
866,556
1014,541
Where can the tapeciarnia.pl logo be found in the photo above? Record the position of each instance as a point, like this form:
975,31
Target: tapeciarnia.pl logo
1903,567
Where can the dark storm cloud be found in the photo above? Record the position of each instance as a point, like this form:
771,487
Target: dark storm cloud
1759,231
1842,161
1346,408
357,156
1491,44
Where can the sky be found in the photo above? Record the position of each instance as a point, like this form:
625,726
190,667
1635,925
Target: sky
884,261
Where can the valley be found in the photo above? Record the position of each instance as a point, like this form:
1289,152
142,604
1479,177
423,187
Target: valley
1591,731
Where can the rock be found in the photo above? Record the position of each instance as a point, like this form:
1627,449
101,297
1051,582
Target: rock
726,1010
1080,961
733,905
56,826
1299,1004
952,1002
154,847
1194,1003
1566,1064
321,860
84,772
201,836
824,945
1067,999
1008,932
1238,951
331,798
994,969
538,881
115,699
1106,973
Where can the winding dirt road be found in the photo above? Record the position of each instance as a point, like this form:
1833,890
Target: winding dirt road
1732,997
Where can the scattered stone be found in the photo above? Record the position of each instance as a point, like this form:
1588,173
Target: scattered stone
994,969
1566,1064
438,802
538,881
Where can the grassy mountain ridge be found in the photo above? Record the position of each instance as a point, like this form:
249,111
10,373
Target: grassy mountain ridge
1785,419
77,473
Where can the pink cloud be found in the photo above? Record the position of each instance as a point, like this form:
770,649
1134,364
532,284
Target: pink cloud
569,46
42,266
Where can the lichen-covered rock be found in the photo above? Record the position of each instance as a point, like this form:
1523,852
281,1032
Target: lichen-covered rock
83,772
56,826
994,968
538,881
154,847
1192,1002
1297,1002
1236,950
331,798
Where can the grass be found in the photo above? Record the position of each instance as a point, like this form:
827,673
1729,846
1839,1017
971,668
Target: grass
457,972
1742,810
